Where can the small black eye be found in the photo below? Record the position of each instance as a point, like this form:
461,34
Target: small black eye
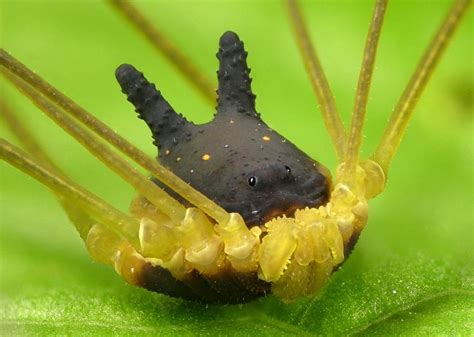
288,169
252,181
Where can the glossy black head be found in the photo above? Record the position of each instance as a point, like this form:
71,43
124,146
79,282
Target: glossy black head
236,159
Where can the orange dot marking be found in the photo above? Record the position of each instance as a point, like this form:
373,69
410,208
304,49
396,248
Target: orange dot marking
206,156
266,138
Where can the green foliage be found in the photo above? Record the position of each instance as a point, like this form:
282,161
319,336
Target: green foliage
412,270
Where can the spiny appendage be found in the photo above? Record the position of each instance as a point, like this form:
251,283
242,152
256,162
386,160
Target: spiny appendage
295,254
234,92
149,103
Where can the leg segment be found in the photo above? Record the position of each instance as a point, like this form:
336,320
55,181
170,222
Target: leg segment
78,217
351,159
164,175
25,136
398,123
163,201
318,79
121,224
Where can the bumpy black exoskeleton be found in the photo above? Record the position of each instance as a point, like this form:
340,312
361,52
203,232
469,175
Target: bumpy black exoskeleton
236,159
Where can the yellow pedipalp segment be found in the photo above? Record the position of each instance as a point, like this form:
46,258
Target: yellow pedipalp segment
334,240
311,245
164,175
351,158
310,235
294,282
301,280
398,123
277,248
318,249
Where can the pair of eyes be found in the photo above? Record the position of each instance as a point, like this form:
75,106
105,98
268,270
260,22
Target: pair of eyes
253,180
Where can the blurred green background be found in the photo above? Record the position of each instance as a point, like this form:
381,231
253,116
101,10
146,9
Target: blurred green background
420,230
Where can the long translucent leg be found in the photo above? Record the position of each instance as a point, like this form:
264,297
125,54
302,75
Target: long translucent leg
167,177
351,158
25,136
121,224
167,48
152,192
398,123
82,221
320,84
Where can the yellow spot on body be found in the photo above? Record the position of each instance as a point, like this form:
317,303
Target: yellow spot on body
266,138
206,156
167,152
178,158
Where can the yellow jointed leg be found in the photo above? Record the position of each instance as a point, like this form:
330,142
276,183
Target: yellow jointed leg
25,136
102,243
121,224
82,221
398,123
167,177
319,82
143,185
351,158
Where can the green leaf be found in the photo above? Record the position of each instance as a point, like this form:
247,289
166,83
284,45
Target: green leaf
412,271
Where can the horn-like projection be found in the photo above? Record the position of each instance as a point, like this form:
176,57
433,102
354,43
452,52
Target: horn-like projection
160,117
235,92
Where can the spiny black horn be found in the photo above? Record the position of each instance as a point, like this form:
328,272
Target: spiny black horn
149,103
235,92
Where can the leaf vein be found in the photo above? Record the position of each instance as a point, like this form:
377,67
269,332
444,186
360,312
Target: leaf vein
411,305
